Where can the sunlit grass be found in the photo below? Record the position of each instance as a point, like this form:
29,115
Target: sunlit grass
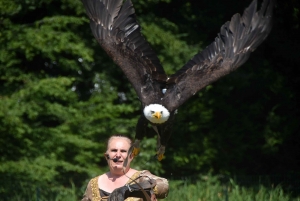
206,188
210,189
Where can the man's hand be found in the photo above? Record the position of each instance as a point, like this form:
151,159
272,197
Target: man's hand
141,190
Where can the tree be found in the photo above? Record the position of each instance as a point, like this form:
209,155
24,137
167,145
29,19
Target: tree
61,96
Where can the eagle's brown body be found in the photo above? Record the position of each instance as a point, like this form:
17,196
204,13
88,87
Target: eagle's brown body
114,25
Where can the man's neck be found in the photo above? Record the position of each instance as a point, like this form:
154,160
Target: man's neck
117,174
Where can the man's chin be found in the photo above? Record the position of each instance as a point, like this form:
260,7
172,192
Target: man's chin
118,164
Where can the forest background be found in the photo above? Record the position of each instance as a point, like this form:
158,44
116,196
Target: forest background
61,96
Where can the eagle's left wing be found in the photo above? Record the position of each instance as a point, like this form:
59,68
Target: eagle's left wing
114,25
237,39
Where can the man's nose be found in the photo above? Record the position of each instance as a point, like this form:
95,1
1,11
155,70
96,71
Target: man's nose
118,153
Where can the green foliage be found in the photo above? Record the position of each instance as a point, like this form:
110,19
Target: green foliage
57,110
61,96
172,50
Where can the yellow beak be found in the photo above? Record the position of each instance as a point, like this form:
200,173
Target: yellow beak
157,115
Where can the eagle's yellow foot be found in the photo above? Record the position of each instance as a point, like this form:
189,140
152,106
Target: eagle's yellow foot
160,152
159,156
136,151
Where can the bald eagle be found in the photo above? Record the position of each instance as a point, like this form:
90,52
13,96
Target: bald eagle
114,25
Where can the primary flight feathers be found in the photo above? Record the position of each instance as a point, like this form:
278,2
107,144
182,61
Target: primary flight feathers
114,25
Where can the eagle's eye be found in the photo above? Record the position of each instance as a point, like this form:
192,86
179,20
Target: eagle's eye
152,112
161,112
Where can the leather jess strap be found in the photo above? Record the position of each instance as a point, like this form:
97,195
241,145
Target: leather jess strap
146,187
147,184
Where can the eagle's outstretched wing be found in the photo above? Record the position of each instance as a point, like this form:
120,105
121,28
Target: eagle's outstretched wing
115,27
237,39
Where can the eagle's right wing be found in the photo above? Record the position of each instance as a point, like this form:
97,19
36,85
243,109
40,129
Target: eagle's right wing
115,27
237,39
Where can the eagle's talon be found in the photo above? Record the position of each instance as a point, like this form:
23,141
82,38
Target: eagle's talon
159,156
136,151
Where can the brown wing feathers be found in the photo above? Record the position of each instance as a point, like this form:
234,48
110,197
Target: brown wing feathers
115,27
102,14
237,39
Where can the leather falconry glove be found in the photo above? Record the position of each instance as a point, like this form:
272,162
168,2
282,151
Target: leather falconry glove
139,190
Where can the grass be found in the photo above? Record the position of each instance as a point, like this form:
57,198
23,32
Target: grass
207,188
210,189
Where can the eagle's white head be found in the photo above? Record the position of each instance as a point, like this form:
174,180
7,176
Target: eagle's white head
156,113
